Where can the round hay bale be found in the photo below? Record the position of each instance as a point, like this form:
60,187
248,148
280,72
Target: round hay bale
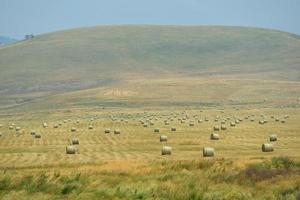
145,125
223,127
232,123
70,149
107,130
45,125
277,120
1,125
191,124
173,129
273,138
18,128
163,138
237,121
91,127
166,150
151,123
208,152
75,141
286,116
283,121
73,129
214,136
37,135
11,127
167,123
200,121
55,126
117,131
216,128
32,132
267,147
261,122
156,130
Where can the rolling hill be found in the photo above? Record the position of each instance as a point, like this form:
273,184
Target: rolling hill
149,62
89,114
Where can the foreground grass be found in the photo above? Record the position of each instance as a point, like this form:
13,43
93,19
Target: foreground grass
276,178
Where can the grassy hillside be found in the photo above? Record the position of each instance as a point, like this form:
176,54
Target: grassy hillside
187,64
101,55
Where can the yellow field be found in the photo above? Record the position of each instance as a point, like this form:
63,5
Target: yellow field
121,76
130,165
141,143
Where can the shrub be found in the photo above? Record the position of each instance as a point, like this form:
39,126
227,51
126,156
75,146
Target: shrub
41,183
283,163
5,183
27,183
70,184
69,187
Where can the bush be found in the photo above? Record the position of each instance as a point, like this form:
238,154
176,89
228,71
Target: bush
276,163
5,183
282,166
41,183
27,183
69,187
70,184
290,191
283,163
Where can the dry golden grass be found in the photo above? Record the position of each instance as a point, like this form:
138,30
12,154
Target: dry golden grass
141,143
130,165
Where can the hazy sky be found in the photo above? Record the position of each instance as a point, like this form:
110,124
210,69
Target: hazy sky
20,17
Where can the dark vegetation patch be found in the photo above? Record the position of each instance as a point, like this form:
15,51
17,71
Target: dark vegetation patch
202,179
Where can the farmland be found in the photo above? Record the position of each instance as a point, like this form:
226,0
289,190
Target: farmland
133,157
115,90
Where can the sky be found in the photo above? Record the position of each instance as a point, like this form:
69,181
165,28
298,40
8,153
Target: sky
20,17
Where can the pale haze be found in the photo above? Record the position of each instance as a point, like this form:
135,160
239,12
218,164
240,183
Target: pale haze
20,17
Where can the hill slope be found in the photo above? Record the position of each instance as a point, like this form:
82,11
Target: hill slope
107,57
91,56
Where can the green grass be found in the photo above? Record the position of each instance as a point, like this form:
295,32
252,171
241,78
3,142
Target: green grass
166,180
